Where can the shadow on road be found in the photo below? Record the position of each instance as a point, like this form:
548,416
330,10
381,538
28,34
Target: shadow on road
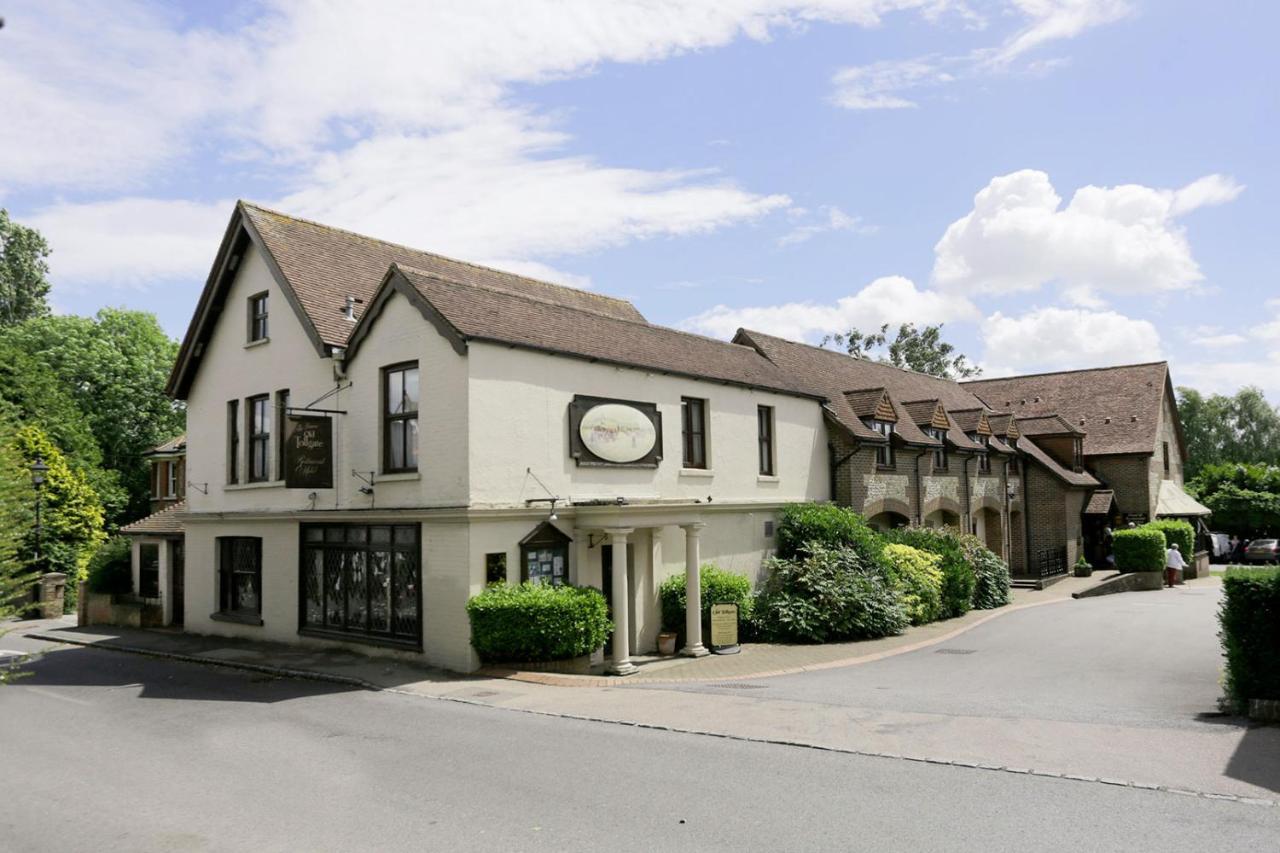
1257,758
156,678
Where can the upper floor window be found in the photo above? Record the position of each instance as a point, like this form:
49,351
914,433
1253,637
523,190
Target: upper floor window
233,441
282,409
1013,460
884,452
764,428
693,417
258,317
171,482
984,458
1166,459
939,453
259,414
1077,454
400,418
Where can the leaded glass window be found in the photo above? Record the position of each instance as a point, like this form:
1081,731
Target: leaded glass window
362,581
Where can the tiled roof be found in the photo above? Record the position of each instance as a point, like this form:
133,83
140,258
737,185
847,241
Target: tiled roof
1106,399
1100,502
967,419
1066,475
477,312
866,402
1047,425
831,374
166,522
177,444
324,265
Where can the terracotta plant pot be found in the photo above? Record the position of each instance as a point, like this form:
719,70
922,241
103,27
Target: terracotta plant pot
666,643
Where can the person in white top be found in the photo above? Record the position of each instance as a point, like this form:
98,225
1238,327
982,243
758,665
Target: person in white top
1173,564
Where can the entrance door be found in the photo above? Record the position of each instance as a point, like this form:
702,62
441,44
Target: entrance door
177,570
606,586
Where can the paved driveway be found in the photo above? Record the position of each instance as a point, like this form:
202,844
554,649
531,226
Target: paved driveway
1137,659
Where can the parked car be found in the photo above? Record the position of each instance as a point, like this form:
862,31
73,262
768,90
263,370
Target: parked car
1263,551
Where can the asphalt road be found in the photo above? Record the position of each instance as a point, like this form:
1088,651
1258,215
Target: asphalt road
1139,659
108,751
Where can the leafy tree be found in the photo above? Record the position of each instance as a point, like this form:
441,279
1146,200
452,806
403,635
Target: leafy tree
1243,428
921,350
71,518
1245,499
114,366
24,273
16,519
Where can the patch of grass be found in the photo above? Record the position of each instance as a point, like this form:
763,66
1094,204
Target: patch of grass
1255,571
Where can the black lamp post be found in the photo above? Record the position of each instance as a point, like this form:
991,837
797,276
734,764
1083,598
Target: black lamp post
38,469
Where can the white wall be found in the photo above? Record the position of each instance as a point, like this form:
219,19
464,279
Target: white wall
519,415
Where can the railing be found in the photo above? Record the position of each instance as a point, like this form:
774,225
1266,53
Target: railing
1051,561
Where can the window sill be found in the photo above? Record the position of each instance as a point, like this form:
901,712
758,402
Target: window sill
397,477
697,472
887,468
237,618
241,487
768,478
258,343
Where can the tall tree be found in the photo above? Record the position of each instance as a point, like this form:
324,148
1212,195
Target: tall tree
114,365
16,522
24,272
1242,428
921,350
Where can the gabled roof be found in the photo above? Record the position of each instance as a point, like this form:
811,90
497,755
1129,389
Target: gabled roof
872,403
177,444
166,522
317,267
1104,402
971,420
1100,502
929,413
1004,424
1066,475
831,374
1048,425
463,313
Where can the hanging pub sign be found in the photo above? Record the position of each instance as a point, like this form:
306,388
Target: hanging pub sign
308,452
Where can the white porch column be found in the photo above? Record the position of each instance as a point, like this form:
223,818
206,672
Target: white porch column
692,591
163,547
622,664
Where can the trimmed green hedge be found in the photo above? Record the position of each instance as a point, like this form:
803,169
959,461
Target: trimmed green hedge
958,580
537,622
827,596
717,586
1250,620
111,568
1176,532
1140,549
826,524
918,580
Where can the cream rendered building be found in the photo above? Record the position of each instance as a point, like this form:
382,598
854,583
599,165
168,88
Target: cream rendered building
478,422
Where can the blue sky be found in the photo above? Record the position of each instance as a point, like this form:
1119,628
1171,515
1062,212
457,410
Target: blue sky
1064,183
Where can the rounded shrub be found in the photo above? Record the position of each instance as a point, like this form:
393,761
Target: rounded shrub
1140,549
111,568
826,524
537,622
918,579
958,580
718,587
992,580
1176,532
828,595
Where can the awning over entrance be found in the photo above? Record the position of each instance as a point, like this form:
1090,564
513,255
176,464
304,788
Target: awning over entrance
1174,501
1100,503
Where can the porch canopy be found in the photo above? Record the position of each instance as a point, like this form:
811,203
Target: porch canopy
1173,501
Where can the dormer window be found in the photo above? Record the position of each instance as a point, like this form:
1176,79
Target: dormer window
884,453
984,458
939,453
1013,461
1077,452
258,317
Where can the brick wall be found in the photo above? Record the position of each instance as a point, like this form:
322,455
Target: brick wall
1130,477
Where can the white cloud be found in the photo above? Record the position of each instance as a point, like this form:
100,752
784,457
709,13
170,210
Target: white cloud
885,84
1211,337
1061,338
131,242
892,300
1124,238
1229,376
831,219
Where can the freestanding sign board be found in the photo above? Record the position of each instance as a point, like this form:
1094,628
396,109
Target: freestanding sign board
308,452
724,629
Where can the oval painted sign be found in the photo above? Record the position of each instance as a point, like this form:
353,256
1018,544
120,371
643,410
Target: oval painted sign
617,433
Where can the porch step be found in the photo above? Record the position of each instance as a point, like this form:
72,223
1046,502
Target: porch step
1026,583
